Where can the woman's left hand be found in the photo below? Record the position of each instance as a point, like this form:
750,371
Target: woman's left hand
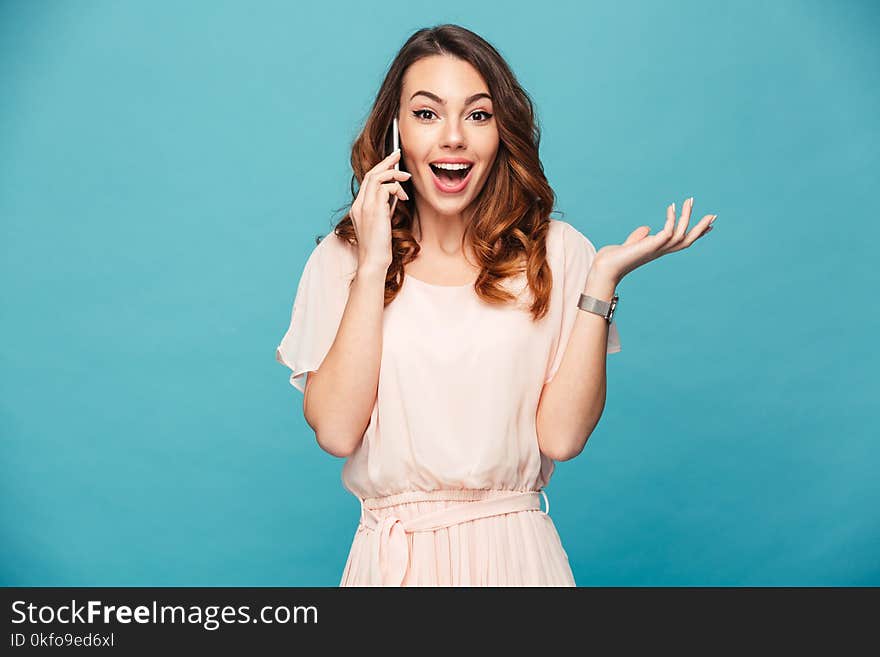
617,260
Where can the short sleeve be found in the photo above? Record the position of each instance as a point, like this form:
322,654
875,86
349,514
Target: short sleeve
318,307
574,256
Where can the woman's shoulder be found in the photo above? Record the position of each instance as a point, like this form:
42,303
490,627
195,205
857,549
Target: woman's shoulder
332,244
563,237
334,253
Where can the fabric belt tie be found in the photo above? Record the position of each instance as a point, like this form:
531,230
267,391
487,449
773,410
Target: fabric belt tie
390,548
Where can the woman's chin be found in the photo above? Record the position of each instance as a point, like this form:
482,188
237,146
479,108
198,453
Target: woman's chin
445,206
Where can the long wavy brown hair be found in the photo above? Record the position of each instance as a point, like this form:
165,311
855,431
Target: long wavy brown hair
508,221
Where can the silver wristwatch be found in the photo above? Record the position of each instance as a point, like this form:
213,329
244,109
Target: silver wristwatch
594,305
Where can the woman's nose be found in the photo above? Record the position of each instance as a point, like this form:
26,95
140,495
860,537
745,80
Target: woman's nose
453,135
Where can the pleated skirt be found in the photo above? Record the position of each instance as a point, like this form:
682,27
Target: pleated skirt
521,548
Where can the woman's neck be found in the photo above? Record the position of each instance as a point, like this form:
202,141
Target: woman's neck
440,235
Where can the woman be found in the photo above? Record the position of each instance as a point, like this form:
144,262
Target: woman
453,334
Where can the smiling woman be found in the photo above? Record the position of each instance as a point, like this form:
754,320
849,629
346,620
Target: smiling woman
431,391
458,103
450,144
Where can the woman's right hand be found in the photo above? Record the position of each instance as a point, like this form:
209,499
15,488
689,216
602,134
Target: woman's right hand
371,212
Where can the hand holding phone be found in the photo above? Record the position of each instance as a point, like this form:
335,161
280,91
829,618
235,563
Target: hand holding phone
371,212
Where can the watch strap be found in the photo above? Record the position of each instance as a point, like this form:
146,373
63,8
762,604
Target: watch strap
603,308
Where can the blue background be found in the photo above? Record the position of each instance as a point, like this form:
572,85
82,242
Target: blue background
164,168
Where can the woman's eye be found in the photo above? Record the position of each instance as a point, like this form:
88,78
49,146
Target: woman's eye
420,114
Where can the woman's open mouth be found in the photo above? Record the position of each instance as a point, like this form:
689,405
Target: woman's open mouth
451,181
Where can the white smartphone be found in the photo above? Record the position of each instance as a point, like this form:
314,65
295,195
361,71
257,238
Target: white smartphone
396,138
395,144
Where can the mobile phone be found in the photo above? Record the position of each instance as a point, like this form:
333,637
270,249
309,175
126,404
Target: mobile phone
396,144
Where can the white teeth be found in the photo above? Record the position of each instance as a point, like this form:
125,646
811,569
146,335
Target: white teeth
450,167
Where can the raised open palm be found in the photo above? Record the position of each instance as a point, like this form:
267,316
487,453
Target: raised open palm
641,247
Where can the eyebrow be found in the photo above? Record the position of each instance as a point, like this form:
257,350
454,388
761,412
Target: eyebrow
436,98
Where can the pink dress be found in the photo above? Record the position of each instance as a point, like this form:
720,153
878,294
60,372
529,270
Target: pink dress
449,474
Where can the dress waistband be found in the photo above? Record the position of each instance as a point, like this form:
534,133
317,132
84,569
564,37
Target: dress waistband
390,548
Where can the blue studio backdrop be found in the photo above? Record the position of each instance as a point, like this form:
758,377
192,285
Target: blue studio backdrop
165,167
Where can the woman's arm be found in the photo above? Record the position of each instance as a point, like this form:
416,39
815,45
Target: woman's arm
339,398
572,403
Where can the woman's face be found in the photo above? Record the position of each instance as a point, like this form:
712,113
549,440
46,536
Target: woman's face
446,114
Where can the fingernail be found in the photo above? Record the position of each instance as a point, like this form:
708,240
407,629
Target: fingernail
712,220
691,201
673,207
